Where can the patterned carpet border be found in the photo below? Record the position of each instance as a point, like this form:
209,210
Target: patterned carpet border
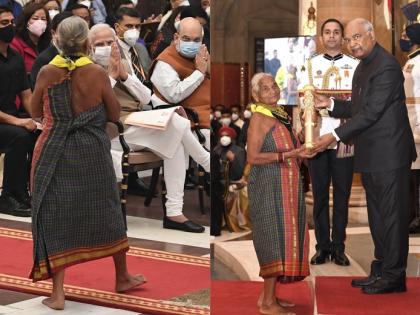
104,298
134,251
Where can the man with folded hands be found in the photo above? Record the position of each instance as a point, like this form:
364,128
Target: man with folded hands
173,144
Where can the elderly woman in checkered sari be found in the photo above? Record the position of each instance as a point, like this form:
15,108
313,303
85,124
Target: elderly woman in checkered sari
276,196
76,212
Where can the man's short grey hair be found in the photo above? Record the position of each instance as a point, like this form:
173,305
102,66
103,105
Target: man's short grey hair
255,81
94,30
367,25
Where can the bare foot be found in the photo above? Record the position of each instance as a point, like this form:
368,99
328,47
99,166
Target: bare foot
129,283
274,309
56,303
281,302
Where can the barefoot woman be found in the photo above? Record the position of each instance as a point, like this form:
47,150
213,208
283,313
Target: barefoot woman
275,191
76,214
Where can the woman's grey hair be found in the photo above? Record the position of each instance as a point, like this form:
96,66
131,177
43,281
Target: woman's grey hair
255,82
72,35
94,30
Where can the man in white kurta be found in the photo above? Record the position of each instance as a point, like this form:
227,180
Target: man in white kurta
173,144
331,74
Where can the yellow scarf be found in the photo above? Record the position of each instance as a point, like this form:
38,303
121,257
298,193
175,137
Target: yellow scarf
270,111
61,62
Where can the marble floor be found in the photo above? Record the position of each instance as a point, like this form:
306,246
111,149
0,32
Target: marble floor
144,230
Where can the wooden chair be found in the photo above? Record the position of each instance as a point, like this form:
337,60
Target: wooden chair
135,161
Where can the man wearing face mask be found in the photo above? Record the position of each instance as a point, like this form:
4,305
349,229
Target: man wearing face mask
226,120
127,28
226,156
48,54
16,134
236,115
170,143
410,43
181,74
244,132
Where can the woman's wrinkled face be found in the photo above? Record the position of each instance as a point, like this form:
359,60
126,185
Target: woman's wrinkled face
269,92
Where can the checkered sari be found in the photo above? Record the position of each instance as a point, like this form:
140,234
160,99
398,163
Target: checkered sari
277,210
76,212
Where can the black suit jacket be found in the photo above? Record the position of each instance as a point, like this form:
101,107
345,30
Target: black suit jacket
379,125
43,59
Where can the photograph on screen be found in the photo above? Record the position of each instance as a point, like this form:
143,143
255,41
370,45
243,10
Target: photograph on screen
285,59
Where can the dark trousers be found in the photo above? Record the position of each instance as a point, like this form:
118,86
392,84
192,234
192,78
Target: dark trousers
387,195
323,168
414,195
18,144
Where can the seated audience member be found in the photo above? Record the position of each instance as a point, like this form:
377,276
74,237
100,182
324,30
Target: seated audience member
168,27
82,11
53,7
96,9
236,115
48,54
16,134
114,7
172,144
14,6
242,139
226,120
32,33
180,74
231,160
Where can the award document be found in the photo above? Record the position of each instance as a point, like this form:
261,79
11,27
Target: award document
155,119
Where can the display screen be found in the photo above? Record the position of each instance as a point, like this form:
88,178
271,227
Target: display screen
285,58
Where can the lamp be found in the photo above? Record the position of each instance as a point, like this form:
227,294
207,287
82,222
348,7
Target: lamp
311,23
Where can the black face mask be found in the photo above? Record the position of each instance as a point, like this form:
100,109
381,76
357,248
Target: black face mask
405,45
7,33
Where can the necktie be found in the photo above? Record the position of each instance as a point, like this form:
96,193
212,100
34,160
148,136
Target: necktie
138,69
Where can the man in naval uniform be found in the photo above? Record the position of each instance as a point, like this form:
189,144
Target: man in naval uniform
331,74
410,43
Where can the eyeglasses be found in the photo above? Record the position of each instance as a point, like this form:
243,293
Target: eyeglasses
355,38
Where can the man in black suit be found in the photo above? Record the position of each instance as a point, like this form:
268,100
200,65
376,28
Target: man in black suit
384,150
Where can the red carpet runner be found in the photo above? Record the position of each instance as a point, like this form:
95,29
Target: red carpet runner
335,296
169,275
240,297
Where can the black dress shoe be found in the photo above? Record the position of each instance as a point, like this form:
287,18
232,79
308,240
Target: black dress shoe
385,286
320,257
414,226
23,197
187,226
10,205
375,275
340,258
137,187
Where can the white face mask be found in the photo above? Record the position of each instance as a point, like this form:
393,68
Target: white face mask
101,55
225,141
235,116
134,2
208,11
52,13
225,121
211,116
86,3
247,114
37,27
131,36
218,114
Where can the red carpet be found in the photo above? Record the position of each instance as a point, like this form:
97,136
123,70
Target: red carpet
335,296
240,297
169,275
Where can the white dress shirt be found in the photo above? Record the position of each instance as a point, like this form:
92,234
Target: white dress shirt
170,85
